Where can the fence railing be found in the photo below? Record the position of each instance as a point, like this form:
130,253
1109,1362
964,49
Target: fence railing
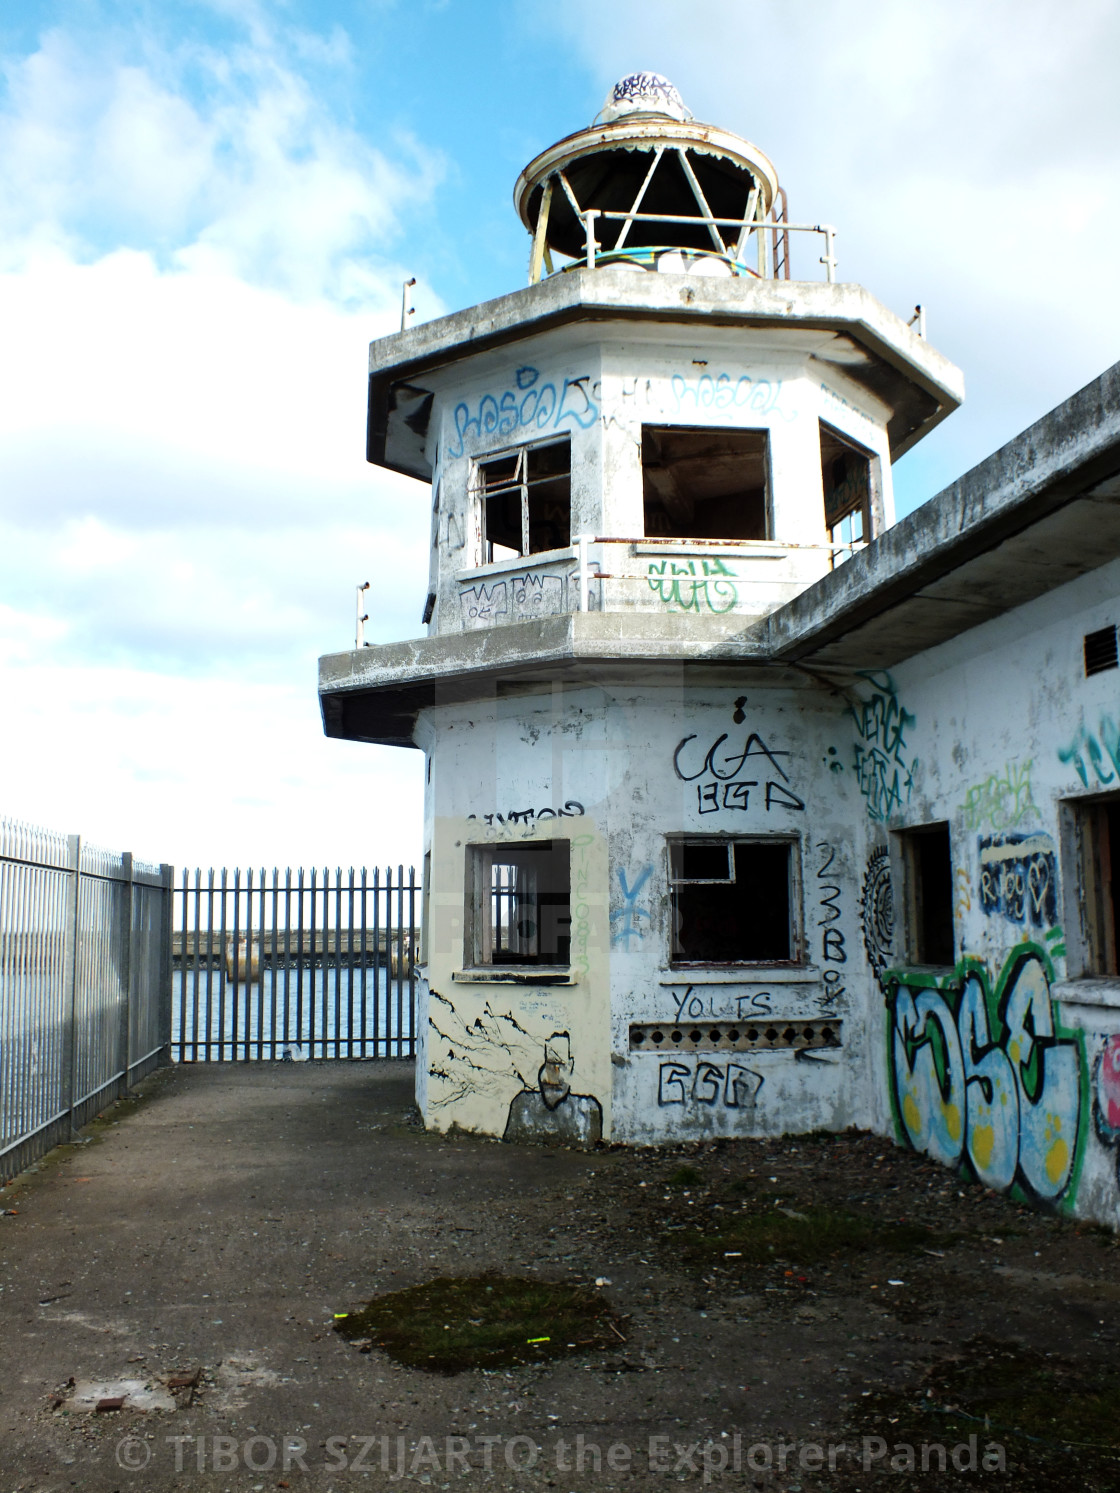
85,983
294,965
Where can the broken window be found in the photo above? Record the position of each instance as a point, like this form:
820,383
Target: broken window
1098,826
846,473
733,901
929,894
705,484
520,901
526,499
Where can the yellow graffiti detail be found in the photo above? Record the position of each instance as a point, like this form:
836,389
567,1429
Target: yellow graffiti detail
983,1145
1057,1160
953,1123
912,1115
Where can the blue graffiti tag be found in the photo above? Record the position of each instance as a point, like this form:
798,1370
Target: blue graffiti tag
629,916
529,405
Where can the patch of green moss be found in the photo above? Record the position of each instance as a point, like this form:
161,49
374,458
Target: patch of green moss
481,1322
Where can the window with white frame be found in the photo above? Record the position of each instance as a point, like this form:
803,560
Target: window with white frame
519,903
734,901
525,498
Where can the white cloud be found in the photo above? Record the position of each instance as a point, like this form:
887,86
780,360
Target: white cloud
194,253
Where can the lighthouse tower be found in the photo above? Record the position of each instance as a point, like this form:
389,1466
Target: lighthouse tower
642,851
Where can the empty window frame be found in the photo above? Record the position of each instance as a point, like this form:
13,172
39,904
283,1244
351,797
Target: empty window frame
928,880
848,477
519,903
1098,856
705,484
734,901
525,498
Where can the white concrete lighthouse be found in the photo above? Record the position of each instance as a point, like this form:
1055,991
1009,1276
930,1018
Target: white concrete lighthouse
646,841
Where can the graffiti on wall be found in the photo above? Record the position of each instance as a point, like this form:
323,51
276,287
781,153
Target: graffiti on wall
693,585
696,1005
524,598
833,950
714,1085
720,774
1019,878
883,763
983,1075
1096,753
531,405
627,919
723,391
877,911
1106,1095
550,1111
570,809
494,1054
1002,801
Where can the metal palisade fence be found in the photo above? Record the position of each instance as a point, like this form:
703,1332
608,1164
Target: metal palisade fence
294,965
85,983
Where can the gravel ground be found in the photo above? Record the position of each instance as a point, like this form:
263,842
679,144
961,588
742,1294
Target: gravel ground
783,1304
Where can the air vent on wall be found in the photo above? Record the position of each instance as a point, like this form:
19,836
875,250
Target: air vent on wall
1100,650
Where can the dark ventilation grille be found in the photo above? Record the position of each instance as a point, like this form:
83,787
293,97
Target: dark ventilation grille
1100,650
735,1036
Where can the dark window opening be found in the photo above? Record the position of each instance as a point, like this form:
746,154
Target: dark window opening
1100,650
1100,853
732,901
930,882
522,903
846,475
526,501
705,484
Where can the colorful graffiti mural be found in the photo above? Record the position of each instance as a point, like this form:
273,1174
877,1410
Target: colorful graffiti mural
1019,878
883,765
983,1075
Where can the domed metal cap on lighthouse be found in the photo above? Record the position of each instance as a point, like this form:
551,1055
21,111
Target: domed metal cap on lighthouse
648,186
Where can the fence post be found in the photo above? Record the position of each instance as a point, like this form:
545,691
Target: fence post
164,986
124,974
70,979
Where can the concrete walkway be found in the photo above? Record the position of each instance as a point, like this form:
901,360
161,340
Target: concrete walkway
192,1251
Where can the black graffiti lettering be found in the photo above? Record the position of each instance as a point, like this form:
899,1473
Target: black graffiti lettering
707,797
783,797
754,747
709,1081
834,946
737,795
572,810
670,1083
758,1004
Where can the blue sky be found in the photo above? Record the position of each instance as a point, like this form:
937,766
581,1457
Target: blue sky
207,210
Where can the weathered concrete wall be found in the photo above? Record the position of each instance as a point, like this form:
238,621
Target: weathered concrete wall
1006,1064
753,762
598,386
618,769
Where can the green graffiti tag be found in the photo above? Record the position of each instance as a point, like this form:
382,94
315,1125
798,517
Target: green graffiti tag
883,768
1002,800
684,588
